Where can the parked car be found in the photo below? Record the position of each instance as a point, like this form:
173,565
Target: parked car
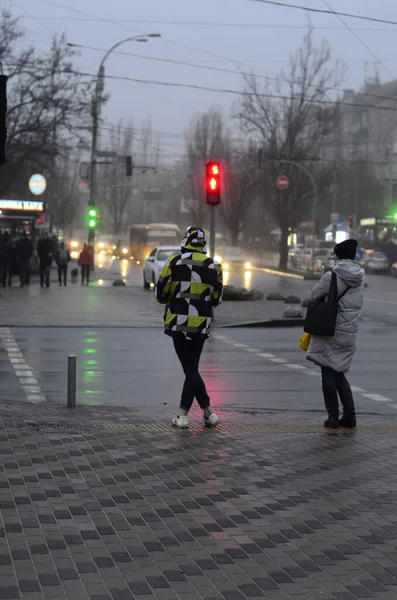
374,262
233,259
394,270
305,261
155,262
300,256
294,250
327,258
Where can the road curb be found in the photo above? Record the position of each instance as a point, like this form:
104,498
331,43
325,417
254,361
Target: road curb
266,324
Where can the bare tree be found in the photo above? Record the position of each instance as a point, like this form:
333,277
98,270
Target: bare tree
65,195
116,186
48,103
240,185
205,141
289,119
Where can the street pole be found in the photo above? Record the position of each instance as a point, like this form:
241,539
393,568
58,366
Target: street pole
96,111
212,231
94,155
334,200
314,212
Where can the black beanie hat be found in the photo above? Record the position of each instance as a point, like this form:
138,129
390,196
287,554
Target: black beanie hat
346,249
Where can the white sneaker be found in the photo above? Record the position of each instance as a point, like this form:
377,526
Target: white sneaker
212,421
181,422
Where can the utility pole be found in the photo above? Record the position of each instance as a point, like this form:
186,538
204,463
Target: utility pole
94,147
334,204
96,109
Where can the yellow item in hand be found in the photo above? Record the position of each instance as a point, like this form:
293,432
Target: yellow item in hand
305,342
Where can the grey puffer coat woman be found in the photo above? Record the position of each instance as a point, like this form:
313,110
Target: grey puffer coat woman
338,351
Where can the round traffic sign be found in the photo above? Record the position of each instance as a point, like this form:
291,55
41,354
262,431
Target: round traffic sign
282,182
37,184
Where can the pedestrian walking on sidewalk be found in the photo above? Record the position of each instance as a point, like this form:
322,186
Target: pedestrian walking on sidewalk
190,285
4,258
45,251
13,261
335,354
24,254
86,261
62,259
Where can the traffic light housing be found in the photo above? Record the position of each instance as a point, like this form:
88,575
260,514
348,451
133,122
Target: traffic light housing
213,183
350,221
3,119
92,218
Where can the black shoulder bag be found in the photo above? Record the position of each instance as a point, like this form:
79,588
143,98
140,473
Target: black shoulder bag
322,314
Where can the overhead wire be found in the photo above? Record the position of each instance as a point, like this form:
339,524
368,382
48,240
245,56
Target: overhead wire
124,26
327,12
206,24
360,40
222,70
238,92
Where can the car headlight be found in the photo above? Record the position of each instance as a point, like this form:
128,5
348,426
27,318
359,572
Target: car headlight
226,266
74,244
125,250
217,258
101,245
247,265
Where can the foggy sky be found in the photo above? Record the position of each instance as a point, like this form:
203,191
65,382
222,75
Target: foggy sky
262,49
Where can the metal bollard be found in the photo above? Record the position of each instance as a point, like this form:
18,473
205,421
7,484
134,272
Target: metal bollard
72,364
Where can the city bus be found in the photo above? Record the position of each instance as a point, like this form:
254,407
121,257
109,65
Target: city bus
144,238
379,234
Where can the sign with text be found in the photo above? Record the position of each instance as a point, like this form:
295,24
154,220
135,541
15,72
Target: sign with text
22,205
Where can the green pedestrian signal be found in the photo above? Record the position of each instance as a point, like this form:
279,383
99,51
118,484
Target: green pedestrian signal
92,218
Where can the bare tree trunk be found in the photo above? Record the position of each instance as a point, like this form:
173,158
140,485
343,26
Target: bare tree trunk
283,249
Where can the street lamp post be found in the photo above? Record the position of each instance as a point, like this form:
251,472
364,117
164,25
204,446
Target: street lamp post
96,111
314,213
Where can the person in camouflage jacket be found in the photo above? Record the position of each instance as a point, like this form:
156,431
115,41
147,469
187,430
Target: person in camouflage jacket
190,286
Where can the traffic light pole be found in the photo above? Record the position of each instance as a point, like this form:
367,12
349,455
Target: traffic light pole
212,231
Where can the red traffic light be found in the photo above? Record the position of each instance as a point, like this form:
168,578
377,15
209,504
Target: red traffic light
213,183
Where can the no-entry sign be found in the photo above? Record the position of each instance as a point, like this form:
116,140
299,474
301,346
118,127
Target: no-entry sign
282,182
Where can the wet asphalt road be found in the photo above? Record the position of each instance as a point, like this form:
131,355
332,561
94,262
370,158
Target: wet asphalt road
248,369
380,296
137,367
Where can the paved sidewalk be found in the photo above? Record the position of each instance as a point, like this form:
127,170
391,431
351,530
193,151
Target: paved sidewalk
113,504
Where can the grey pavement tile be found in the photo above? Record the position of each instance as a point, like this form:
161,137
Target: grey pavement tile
231,519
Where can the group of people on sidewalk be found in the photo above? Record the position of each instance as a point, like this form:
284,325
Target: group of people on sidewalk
19,255
190,287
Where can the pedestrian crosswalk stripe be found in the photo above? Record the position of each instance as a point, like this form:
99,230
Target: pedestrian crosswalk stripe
377,398
23,371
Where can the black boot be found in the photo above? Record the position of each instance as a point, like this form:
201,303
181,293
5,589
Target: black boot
332,406
348,420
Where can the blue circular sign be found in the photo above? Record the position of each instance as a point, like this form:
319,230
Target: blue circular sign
37,184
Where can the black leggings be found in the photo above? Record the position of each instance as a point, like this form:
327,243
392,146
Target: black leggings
189,353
